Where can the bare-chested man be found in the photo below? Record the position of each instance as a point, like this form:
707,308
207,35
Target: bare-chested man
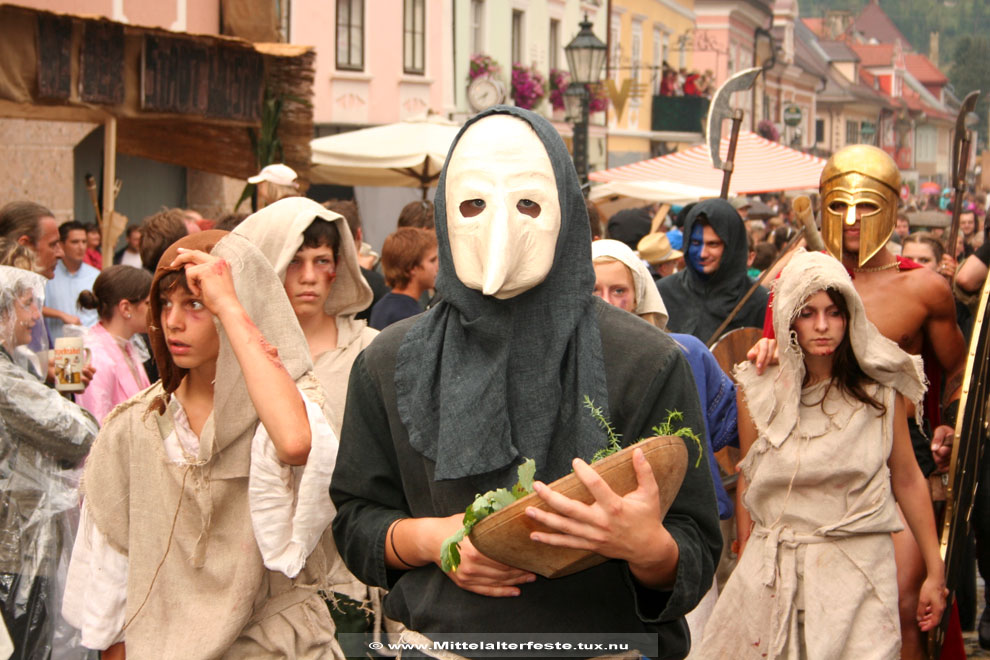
910,305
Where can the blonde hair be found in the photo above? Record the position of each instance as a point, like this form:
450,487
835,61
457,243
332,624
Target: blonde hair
20,256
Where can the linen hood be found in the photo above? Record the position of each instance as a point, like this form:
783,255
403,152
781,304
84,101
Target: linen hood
775,400
648,300
277,230
263,298
483,382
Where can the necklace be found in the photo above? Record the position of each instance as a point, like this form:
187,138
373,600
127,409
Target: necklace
877,269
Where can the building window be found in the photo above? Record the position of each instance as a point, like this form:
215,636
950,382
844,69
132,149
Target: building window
615,47
636,51
655,74
350,34
852,132
553,58
819,131
517,37
925,144
414,36
477,26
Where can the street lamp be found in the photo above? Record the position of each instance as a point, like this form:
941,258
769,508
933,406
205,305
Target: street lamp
585,58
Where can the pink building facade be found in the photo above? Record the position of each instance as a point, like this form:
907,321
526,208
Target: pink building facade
376,62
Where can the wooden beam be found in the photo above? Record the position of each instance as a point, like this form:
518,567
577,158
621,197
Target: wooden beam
12,110
109,181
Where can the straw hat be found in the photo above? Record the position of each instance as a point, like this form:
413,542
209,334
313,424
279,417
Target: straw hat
655,249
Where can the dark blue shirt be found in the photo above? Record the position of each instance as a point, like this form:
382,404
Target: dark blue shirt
391,308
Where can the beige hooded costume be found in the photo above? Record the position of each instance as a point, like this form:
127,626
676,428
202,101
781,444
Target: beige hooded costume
171,557
649,304
817,577
277,230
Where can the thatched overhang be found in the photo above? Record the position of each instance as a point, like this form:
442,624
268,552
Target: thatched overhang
177,98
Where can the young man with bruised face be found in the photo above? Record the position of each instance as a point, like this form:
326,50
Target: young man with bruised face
313,253
910,305
447,404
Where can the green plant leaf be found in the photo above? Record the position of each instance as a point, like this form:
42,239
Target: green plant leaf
484,505
526,472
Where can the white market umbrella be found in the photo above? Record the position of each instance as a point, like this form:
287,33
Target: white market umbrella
409,153
668,192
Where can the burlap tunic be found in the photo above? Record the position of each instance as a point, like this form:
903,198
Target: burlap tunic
197,584
817,577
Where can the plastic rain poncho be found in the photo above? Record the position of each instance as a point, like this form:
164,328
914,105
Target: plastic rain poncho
43,440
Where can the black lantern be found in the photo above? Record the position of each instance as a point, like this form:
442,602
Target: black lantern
585,58
585,55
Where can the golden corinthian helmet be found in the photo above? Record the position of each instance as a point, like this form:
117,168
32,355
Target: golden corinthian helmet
859,175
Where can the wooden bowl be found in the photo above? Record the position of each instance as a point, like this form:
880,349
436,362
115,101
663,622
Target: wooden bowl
504,535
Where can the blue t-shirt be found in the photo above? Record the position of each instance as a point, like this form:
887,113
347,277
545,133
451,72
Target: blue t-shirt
391,308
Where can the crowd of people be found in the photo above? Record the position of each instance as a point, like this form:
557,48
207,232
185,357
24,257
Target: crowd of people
280,427
681,82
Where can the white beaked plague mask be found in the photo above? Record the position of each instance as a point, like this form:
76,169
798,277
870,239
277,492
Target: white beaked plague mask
503,215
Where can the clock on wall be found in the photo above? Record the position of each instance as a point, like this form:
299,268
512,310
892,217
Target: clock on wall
485,92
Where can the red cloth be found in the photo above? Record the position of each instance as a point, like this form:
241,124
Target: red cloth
94,258
690,85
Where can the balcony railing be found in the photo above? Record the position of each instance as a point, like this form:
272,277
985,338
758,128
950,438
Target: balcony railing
681,114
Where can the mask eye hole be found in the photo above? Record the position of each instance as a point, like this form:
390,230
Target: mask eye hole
528,207
869,208
472,207
838,207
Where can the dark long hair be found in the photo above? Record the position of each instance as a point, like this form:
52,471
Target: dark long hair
847,375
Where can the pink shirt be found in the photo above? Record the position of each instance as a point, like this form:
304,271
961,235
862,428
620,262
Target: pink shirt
114,381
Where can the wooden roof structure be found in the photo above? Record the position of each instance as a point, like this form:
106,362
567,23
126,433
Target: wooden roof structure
173,97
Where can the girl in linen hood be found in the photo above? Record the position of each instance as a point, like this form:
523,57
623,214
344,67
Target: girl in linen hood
826,451
312,252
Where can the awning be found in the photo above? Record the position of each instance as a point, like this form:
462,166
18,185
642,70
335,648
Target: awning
760,166
408,153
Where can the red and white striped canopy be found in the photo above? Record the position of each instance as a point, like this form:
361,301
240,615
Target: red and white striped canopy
760,166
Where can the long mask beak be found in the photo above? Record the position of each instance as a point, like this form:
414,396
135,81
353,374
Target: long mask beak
498,259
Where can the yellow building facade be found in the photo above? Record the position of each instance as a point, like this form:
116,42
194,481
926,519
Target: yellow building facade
642,34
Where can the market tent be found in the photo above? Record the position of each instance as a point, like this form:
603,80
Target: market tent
409,153
760,166
668,192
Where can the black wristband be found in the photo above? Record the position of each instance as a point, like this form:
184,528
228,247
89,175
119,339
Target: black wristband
391,538
949,413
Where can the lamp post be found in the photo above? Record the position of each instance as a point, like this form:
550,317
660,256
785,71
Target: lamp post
585,58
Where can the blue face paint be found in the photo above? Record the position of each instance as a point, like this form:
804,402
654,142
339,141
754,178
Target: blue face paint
694,249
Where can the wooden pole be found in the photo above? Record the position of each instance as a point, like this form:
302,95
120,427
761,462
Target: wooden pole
109,183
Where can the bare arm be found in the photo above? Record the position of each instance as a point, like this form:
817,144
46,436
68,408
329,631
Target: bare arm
275,396
52,313
946,340
971,275
911,492
747,436
943,332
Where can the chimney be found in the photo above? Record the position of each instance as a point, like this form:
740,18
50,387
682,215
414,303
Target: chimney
836,22
933,47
